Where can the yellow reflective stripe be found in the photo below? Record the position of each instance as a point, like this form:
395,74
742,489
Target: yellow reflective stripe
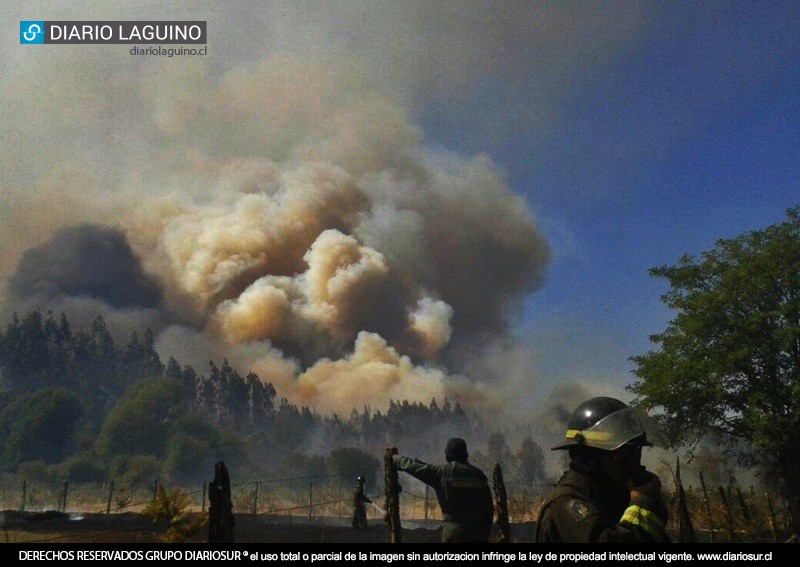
645,519
588,435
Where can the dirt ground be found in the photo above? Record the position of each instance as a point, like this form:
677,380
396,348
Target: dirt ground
56,527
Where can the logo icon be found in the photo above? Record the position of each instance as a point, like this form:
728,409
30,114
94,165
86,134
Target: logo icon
31,31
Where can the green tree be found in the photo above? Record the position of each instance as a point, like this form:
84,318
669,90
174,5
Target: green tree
83,468
728,366
304,469
38,427
529,470
135,472
497,451
188,457
142,420
195,445
348,463
24,356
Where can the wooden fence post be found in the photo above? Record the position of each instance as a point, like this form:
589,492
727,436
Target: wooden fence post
64,497
392,493
685,528
501,504
24,494
110,496
203,503
791,520
339,498
255,500
427,490
728,516
773,525
310,498
708,508
746,513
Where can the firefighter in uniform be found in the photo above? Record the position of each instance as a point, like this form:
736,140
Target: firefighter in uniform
359,504
606,496
462,490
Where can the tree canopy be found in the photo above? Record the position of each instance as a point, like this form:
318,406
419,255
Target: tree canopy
728,365
37,426
81,405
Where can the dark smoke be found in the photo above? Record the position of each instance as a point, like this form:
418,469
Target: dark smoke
86,260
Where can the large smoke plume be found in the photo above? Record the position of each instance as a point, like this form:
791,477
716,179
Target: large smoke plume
276,204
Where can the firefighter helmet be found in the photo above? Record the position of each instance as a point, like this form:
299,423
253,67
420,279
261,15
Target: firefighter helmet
361,480
607,423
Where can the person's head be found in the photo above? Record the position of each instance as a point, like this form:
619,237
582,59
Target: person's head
606,436
361,481
456,450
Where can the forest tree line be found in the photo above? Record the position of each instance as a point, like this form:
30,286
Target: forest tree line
76,405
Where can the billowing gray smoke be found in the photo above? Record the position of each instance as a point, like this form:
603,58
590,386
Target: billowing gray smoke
85,261
311,240
280,193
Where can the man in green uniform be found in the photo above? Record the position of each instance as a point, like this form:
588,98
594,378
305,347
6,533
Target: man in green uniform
462,490
606,496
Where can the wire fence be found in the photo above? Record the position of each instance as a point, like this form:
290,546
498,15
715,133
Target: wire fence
725,514
314,498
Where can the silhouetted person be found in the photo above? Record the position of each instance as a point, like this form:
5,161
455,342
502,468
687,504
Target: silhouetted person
220,507
359,504
462,490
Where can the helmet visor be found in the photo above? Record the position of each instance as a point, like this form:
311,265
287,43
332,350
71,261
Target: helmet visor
621,427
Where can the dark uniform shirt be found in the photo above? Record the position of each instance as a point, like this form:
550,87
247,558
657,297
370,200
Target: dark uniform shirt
581,511
464,497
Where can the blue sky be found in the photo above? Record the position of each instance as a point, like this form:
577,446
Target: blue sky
634,132
689,133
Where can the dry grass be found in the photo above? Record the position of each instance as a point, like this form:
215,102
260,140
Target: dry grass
138,528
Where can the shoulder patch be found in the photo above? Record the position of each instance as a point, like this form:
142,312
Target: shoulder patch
578,508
